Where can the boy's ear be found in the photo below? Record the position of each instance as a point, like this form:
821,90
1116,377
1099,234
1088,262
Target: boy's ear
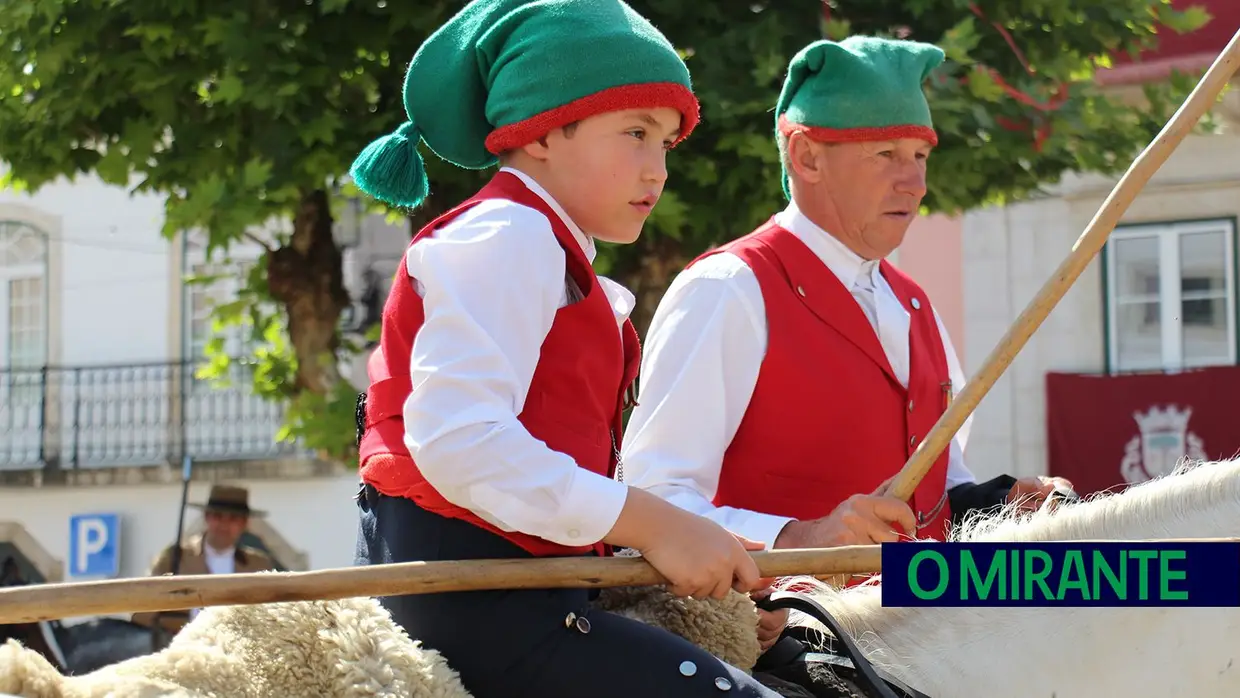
537,149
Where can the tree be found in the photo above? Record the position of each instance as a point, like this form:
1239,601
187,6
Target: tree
242,114
247,113
1015,105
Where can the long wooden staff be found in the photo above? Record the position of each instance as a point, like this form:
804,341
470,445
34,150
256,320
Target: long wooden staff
28,604
1086,248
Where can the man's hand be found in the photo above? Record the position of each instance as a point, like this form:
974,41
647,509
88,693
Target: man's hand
861,519
1030,492
770,623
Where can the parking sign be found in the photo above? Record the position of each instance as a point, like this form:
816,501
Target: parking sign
94,545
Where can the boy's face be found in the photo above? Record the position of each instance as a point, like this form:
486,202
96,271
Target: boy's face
610,169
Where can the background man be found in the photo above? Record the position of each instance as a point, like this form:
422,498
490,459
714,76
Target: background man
217,550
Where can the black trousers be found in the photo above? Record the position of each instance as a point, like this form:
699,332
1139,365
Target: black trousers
516,643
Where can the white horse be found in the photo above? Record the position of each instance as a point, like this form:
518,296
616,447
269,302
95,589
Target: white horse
1069,652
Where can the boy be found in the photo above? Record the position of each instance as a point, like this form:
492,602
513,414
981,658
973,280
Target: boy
492,422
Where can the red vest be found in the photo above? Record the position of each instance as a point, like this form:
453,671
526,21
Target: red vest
828,418
575,400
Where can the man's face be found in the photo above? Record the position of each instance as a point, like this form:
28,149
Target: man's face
224,529
874,188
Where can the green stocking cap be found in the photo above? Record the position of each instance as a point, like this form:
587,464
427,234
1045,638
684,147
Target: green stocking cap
863,88
502,73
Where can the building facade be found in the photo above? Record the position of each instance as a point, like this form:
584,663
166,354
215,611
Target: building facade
1130,372
99,405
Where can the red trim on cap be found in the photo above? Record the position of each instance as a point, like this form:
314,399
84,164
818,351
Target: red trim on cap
642,96
854,135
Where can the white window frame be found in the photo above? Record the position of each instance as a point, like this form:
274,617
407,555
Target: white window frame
219,291
1170,296
21,386
233,268
32,269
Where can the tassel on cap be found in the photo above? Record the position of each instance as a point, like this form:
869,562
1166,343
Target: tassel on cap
391,168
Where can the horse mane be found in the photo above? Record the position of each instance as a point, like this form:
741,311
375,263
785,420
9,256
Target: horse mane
1152,509
1194,487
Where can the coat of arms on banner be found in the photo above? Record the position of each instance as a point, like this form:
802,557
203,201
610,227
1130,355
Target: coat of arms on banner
1163,442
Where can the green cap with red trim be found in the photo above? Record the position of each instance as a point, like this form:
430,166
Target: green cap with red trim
863,88
502,73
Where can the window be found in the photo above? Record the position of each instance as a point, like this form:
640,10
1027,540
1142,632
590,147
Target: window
23,313
26,322
1171,296
223,420
202,299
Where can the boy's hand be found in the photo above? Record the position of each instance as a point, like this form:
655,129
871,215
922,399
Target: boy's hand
702,559
698,557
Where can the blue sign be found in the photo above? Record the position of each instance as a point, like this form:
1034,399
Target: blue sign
94,545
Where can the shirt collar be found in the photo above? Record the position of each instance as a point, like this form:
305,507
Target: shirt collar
585,241
848,266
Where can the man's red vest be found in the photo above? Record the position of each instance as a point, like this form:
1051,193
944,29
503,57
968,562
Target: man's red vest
828,418
575,400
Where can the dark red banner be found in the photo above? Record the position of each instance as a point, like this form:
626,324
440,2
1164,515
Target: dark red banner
1106,432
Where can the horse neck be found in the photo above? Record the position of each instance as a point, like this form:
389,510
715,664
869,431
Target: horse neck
952,651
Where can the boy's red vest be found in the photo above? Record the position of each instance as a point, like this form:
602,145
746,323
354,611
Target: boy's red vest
828,418
575,401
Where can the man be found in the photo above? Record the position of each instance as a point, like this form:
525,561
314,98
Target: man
789,374
217,550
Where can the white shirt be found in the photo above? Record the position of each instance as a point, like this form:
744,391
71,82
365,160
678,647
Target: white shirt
700,363
218,562
491,282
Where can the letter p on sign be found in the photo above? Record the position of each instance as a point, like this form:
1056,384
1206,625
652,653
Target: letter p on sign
94,545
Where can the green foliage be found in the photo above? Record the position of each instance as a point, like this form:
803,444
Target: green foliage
237,110
997,148
234,111
724,179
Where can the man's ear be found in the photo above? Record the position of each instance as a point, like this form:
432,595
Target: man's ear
804,157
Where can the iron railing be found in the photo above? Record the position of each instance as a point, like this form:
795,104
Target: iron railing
140,414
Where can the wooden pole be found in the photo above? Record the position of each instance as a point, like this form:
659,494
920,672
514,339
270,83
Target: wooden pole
29,604
170,593
1204,95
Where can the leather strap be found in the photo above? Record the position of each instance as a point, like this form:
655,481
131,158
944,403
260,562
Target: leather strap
840,661
868,678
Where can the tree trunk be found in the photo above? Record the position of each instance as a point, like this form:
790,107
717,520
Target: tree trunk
307,277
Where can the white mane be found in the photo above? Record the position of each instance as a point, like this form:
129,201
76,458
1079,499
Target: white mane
1069,652
1168,507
